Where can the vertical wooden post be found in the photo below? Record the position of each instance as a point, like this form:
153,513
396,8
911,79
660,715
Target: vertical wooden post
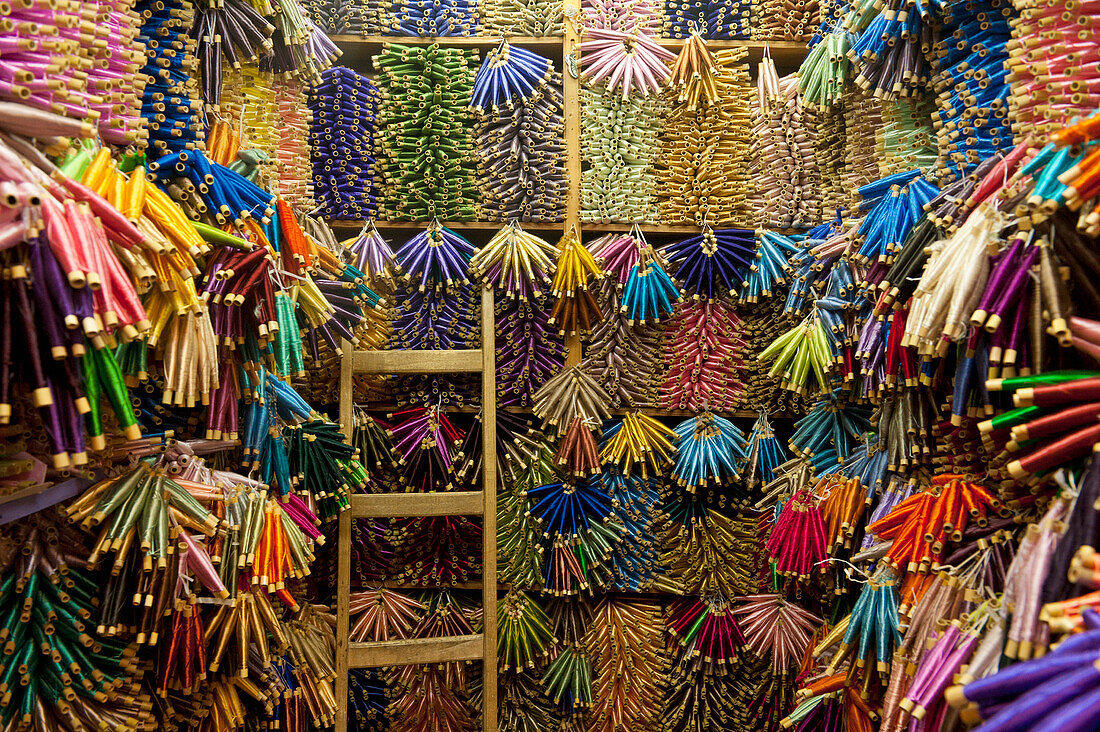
489,515
343,549
571,101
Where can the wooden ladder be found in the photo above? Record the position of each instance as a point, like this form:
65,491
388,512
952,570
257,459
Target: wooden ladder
482,646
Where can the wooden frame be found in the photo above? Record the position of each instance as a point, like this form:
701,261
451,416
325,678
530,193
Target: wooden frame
358,51
482,503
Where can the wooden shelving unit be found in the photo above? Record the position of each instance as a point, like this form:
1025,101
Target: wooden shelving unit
357,52
479,647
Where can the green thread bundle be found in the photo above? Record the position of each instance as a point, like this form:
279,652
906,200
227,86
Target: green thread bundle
619,141
529,464
54,665
428,162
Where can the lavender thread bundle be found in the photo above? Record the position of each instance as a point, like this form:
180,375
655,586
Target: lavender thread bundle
437,310
642,16
427,162
520,133
344,108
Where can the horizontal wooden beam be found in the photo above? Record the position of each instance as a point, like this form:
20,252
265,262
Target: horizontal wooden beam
416,650
416,362
787,54
492,226
388,505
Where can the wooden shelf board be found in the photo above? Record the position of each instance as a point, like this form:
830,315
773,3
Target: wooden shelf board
467,225
410,587
652,411
392,505
416,362
786,54
416,650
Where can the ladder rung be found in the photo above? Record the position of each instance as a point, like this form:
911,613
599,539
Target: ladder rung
381,505
419,650
416,362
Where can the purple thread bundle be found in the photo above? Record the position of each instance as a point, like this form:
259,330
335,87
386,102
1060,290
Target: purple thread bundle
372,255
85,76
711,265
436,320
529,351
345,108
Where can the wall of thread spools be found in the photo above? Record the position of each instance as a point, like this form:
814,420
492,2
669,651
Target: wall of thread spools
797,363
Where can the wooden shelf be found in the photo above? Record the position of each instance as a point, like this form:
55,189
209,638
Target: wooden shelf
393,505
652,411
468,225
416,362
786,54
416,650
410,587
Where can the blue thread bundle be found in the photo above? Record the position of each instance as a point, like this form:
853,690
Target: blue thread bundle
711,450
972,103
829,433
711,18
228,195
649,291
772,267
765,453
578,533
344,108
712,264
635,562
432,18
173,115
